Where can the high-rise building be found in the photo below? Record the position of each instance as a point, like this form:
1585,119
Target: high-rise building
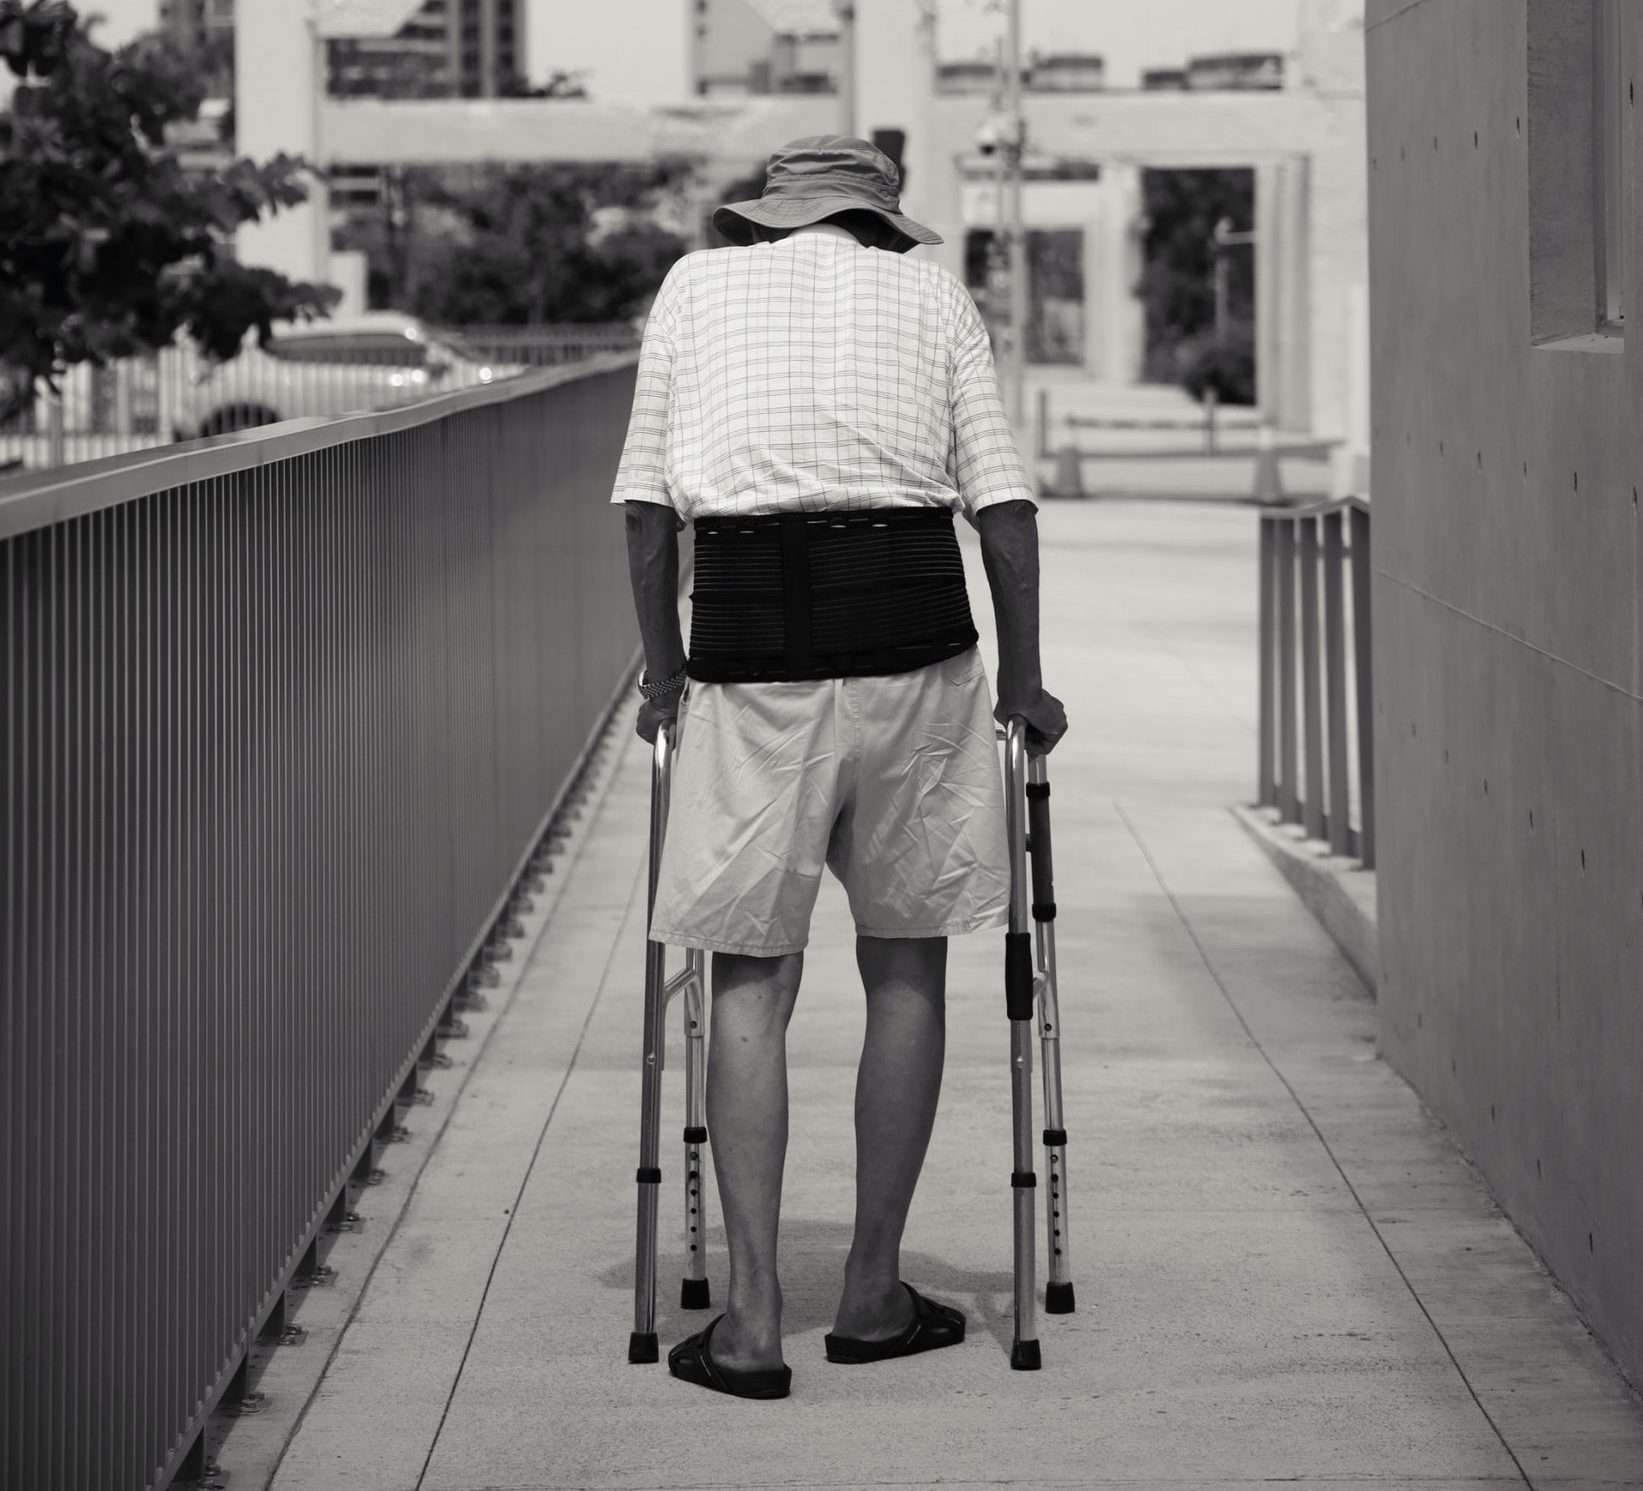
764,46
205,28
447,49
192,23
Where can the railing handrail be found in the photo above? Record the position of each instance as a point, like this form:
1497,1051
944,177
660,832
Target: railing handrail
55,495
1283,512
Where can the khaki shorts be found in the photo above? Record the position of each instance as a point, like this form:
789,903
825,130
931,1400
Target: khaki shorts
894,782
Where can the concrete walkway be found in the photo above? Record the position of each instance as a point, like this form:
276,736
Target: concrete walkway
1284,1270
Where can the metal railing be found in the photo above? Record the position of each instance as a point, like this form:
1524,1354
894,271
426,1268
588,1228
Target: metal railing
1317,752
326,370
283,719
548,346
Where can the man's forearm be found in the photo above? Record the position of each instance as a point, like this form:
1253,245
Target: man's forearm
653,568
1009,551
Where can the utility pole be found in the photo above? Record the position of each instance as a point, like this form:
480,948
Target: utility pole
1014,147
845,10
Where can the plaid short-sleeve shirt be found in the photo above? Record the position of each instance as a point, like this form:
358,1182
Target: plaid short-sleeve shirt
815,374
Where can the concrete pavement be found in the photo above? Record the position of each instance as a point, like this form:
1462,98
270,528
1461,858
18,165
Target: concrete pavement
1284,1270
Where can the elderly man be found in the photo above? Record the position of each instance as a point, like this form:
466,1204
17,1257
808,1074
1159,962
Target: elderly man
818,406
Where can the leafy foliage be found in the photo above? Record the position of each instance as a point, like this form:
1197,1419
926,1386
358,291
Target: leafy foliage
1177,286
1227,366
107,246
523,247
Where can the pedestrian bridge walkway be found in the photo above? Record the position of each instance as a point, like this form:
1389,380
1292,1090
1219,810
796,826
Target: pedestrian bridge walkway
1284,1270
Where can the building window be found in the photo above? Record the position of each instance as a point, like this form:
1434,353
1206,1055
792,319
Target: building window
1576,146
1609,94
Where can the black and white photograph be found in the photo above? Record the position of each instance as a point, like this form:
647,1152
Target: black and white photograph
821,745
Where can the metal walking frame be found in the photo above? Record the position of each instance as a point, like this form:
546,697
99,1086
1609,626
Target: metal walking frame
1030,988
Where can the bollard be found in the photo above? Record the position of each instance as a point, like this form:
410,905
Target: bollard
1069,472
1269,485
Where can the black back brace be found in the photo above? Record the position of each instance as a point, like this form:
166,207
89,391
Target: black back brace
781,597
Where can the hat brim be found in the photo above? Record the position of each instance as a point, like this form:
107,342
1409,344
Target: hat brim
735,219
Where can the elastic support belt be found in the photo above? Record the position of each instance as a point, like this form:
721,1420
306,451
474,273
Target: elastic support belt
782,597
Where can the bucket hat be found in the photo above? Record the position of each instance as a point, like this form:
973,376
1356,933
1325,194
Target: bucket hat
811,179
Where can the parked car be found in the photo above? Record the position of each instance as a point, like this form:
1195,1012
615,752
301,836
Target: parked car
327,368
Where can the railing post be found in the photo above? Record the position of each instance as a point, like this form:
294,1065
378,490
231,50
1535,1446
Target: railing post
1288,801
1312,804
1266,783
56,430
1363,655
1340,809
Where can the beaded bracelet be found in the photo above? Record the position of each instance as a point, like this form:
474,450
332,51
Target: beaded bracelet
653,691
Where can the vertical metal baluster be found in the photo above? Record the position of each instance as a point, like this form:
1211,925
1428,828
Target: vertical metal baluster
1340,828
1266,782
1288,769
1363,657
1312,692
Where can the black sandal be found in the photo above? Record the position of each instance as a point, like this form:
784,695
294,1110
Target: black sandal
933,1325
692,1361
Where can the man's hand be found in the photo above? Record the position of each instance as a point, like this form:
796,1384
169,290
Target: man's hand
654,714
1046,719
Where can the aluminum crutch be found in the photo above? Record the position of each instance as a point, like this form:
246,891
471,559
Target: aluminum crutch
1029,984
1058,1291
659,989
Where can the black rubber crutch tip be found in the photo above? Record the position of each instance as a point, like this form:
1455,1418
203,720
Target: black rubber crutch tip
642,1346
694,1294
1024,1356
1058,1299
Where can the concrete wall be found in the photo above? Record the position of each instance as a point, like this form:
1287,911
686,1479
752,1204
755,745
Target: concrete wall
1508,645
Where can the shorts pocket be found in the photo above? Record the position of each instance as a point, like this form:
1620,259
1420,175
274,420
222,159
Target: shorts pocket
964,669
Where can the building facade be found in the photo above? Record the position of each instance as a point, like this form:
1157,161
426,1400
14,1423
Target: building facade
448,49
1505,240
192,23
752,47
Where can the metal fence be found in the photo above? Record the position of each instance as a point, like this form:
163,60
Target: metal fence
548,346
326,369
282,718
1317,753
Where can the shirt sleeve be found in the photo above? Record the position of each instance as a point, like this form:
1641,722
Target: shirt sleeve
984,460
641,476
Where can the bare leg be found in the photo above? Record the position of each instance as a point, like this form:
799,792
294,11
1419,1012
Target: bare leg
753,1001
897,1087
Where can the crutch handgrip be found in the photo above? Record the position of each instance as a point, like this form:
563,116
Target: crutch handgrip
1018,975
